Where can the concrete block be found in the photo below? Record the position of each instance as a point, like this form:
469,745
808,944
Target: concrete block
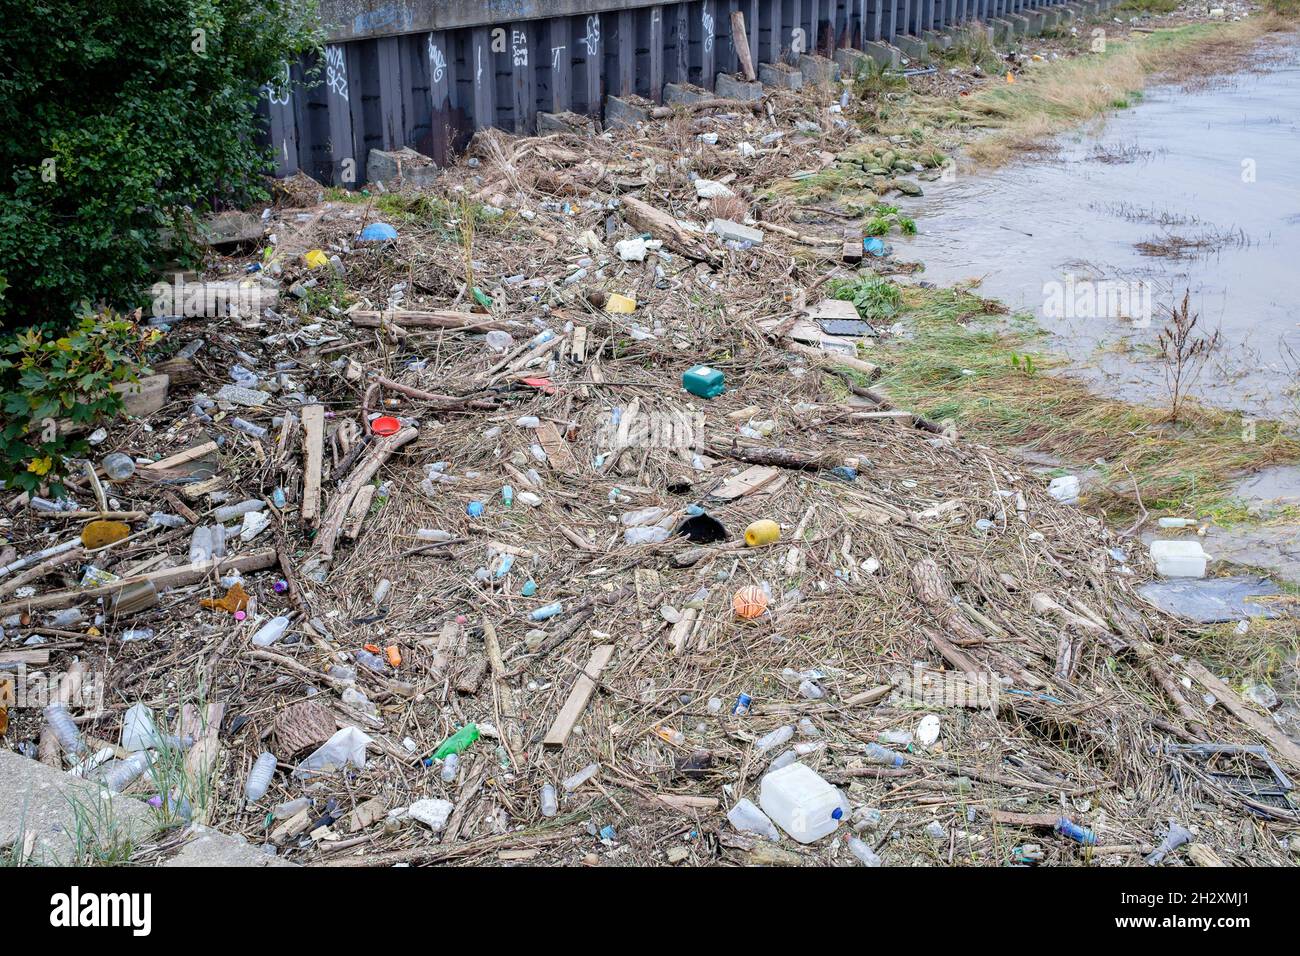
914,48
780,76
685,93
1019,25
625,111
1002,30
1035,20
400,166
818,70
565,122
736,232
144,397
885,55
730,87
231,228
1051,19
850,61
937,40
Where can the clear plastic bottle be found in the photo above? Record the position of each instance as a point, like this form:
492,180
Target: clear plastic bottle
572,783
381,591
883,755
248,428
746,817
125,772
651,535
550,806
866,856
231,512
271,631
259,778
372,662
450,767
118,467
773,740
433,534
65,728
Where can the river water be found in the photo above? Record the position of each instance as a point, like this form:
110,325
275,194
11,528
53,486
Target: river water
1084,239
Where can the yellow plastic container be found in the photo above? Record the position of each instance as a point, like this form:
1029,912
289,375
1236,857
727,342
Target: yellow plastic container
762,532
316,259
620,304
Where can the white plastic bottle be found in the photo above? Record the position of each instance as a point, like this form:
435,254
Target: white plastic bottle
450,766
866,856
271,631
259,778
775,739
801,802
747,818
125,772
550,806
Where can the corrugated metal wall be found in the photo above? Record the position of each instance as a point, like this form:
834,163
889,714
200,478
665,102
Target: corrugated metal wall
431,89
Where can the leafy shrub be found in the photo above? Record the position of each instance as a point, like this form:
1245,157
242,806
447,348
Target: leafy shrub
117,118
45,378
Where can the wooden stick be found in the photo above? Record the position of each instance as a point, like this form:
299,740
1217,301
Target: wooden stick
440,319
740,42
184,457
171,577
341,503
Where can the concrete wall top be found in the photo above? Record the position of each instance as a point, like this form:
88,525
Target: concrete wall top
363,19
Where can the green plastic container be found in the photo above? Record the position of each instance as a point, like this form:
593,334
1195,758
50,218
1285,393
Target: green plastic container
703,381
458,742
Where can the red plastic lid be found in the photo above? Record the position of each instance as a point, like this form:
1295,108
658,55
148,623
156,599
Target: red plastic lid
385,425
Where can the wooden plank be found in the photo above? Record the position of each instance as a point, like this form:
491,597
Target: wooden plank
750,480
184,457
557,449
1256,721
740,41
578,697
357,513
313,448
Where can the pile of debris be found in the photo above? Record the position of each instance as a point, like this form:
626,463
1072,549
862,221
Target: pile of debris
558,519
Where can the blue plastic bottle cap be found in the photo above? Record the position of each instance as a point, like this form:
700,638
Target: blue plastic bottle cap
837,813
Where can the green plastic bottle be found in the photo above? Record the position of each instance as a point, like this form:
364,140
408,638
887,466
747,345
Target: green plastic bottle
457,743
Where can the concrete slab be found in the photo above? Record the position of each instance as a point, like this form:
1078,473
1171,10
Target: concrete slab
850,61
913,48
207,847
625,111
780,76
730,87
937,40
73,820
1002,30
565,122
818,70
404,166
685,93
1019,25
885,55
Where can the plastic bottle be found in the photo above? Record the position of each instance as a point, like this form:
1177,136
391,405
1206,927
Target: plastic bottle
372,662
231,512
138,634
878,754
458,742
810,690
248,428
381,591
572,783
866,856
433,534
450,766
139,732
775,739
546,611
201,548
271,631
65,729
259,778
125,772
747,818
498,340
118,467
550,806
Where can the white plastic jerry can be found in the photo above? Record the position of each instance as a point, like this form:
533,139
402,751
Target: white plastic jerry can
800,802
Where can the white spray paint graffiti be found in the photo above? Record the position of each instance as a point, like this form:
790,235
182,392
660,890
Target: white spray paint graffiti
437,62
592,39
336,71
707,20
519,48
277,91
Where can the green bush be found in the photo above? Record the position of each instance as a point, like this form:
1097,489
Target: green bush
119,118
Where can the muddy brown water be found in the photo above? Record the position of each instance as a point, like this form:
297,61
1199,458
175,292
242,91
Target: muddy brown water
1215,171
